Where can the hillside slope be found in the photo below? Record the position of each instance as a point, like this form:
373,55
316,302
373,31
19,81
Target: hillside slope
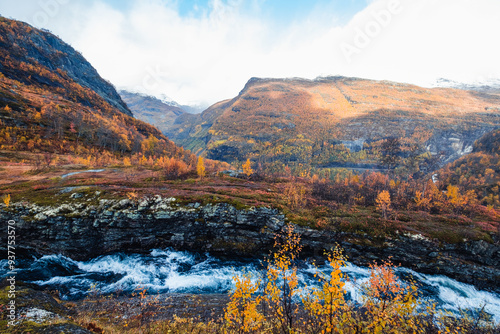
478,171
23,47
53,100
339,121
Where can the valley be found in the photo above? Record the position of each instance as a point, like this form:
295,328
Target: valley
117,198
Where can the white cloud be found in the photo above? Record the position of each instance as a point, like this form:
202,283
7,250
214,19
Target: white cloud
206,58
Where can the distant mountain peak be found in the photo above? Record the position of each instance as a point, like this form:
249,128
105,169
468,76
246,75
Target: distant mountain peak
161,98
316,115
478,85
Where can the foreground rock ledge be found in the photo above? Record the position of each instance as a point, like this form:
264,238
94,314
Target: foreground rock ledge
82,231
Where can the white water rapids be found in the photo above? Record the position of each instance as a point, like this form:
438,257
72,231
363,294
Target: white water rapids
168,271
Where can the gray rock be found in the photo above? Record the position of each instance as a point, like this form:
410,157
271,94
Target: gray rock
162,215
225,230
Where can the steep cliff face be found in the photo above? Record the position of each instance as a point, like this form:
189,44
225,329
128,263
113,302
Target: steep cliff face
453,145
82,231
22,46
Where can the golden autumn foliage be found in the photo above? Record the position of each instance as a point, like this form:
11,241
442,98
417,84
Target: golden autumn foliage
6,200
200,168
242,314
421,202
452,194
126,162
326,305
247,168
277,304
282,282
383,202
389,304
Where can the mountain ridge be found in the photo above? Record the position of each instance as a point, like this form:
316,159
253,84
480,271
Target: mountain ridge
337,110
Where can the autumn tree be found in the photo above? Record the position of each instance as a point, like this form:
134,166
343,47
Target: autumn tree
421,202
200,168
247,168
326,305
174,168
383,202
149,145
282,286
6,200
453,194
389,304
242,312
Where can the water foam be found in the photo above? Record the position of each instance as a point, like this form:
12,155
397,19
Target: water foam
167,271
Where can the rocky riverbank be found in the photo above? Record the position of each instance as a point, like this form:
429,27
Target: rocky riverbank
90,226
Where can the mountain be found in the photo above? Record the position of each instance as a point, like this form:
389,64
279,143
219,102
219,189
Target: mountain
492,85
338,121
152,110
24,47
163,113
53,100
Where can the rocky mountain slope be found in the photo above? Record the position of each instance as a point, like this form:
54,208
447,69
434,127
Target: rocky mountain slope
152,110
23,47
53,100
339,121
168,116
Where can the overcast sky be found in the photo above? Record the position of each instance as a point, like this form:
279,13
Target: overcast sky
204,51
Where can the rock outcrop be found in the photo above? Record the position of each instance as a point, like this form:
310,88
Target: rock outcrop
36,312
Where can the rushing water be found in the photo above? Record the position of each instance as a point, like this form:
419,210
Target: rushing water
167,271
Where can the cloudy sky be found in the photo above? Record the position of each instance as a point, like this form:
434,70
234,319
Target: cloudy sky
203,51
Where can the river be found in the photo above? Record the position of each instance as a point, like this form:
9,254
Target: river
171,272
